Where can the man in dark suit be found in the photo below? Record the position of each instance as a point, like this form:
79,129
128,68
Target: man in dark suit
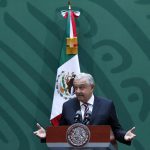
103,110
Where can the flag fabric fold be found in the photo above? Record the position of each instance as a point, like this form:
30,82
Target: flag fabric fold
69,67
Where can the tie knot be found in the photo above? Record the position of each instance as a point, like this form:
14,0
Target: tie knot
85,104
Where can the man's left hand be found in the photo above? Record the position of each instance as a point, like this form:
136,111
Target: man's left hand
130,134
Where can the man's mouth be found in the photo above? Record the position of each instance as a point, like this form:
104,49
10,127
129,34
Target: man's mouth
80,95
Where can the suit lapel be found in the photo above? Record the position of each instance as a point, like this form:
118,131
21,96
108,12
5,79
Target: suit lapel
95,109
77,105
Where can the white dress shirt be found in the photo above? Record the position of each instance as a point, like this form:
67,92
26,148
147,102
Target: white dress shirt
90,103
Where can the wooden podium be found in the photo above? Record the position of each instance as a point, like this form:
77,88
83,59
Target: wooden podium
101,138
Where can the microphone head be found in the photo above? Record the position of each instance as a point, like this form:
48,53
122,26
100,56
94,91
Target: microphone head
87,117
78,112
78,118
88,114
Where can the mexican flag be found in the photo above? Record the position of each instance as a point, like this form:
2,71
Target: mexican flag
69,67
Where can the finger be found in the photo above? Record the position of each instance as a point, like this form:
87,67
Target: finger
131,138
133,129
35,132
134,135
38,125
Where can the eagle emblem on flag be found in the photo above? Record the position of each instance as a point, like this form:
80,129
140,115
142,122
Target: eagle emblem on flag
64,84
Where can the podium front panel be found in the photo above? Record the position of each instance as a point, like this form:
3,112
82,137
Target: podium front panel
101,138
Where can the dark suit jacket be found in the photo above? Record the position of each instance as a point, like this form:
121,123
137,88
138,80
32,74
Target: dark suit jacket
103,113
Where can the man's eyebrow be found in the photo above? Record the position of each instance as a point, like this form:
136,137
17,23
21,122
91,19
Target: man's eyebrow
80,84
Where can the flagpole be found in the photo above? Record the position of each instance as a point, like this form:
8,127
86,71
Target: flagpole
69,3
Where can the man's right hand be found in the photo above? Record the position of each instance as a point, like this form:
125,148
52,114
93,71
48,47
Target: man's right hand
41,132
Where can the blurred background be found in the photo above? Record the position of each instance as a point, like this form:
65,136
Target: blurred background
114,46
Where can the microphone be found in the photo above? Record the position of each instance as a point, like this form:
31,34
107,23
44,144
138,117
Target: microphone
87,117
78,117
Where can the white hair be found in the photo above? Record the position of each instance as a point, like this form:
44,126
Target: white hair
86,76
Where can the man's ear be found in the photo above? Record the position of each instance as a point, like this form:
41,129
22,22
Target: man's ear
92,86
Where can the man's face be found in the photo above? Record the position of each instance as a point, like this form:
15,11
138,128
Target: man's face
83,90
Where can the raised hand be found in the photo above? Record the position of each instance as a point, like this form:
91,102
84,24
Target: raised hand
129,134
41,132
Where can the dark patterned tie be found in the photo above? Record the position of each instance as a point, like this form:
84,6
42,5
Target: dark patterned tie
86,108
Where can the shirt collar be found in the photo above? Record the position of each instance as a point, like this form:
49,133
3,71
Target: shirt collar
90,101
